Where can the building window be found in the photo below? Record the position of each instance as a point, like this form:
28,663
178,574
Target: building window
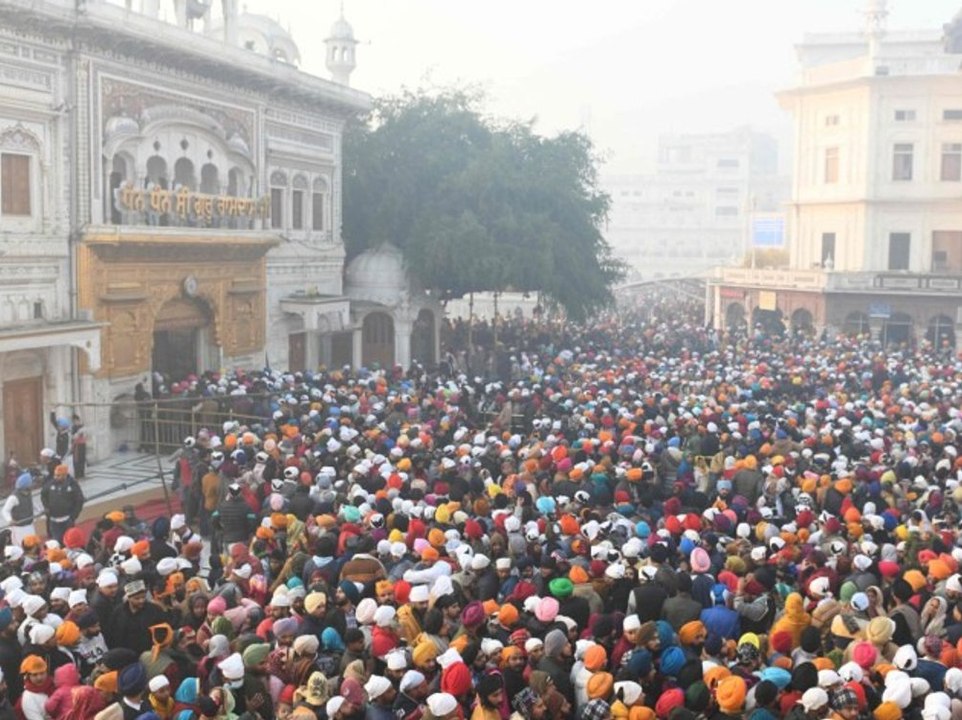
947,251
952,114
319,205
831,165
905,116
828,250
831,120
317,212
940,261
277,208
15,185
951,162
278,181
899,246
902,161
297,210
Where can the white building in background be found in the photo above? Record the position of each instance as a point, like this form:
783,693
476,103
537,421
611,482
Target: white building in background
875,221
692,213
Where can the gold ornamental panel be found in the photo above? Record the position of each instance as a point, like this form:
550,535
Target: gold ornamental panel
128,285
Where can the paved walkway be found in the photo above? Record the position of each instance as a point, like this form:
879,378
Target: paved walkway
122,479
124,473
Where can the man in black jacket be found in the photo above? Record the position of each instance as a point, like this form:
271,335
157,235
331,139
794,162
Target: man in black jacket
234,517
62,500
130,624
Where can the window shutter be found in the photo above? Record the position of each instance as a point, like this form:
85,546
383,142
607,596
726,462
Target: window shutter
15,184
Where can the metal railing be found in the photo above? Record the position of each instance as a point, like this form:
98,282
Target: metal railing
162,425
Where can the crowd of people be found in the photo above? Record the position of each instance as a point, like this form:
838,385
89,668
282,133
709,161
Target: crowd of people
635,519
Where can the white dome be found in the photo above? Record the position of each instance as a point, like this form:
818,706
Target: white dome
341,30
377,275
263,35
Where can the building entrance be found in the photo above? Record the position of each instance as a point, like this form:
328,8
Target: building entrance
181,332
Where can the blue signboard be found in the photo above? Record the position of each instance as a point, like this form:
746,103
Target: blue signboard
879,310
768,231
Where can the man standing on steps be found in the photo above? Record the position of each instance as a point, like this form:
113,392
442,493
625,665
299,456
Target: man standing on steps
63,500
17,510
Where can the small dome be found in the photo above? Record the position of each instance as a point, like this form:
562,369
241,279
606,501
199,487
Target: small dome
263,35
378,275
341,30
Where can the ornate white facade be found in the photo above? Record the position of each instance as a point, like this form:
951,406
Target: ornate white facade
183,184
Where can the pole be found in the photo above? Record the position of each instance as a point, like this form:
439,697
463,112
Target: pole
160,467
470,331
495,321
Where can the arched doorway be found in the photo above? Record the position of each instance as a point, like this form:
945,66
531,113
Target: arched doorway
941,332
856,323
378,340
897,330
422,338
182,344
802,322
735,317
770,321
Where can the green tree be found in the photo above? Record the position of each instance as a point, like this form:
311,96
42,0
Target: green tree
478,204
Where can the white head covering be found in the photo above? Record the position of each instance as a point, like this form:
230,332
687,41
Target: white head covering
41,633
412,678
232,667
441,704
376,686
384,615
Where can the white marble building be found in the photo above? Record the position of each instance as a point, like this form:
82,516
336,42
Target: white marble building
42,331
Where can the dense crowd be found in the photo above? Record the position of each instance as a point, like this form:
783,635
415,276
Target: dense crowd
634,519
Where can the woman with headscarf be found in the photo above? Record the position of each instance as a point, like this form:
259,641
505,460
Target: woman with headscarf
84,703
934,615
434,627
185,700
794,620
332,648
65,678
159,660
195,611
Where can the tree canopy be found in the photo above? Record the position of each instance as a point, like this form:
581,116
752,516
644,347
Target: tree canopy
478,204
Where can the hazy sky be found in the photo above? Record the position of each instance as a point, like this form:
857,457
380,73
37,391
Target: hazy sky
626,69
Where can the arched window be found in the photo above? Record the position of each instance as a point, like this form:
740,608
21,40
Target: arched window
157,171
298,204
319,205
184,174
118,176
209,179
278,188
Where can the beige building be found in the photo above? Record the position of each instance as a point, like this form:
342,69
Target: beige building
875,220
